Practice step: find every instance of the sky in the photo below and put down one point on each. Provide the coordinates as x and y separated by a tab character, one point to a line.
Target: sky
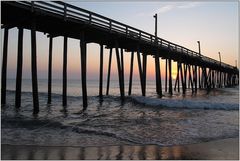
214	24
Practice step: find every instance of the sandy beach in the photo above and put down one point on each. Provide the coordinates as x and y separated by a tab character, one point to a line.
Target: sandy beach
217	150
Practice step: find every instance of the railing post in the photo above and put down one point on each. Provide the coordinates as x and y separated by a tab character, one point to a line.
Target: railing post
32	6
110	26
90	17
65	11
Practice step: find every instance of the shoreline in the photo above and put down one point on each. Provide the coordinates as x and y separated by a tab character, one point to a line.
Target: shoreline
217	150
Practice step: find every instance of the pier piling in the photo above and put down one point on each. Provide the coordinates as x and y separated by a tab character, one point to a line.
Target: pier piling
166	75
4	67
64	92
83	46
193	69
158	75
144	73
109	71
50	71
119	71
140	70
19	69
170	76
131	74
122	70
101	71
182	78
34	69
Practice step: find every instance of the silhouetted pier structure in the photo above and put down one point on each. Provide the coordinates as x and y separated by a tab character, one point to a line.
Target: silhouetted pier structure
62	19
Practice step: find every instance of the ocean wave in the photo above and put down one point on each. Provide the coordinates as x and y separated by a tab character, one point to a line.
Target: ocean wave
188	104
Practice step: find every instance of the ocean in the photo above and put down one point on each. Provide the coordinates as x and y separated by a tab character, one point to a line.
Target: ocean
167	121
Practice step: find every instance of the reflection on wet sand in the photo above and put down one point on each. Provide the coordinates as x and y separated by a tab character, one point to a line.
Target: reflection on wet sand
225	149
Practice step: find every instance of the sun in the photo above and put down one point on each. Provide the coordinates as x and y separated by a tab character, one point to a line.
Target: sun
174	75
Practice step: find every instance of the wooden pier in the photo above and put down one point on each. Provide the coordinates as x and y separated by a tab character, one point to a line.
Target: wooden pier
61	19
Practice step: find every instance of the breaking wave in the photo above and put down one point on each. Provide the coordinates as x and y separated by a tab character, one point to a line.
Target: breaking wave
189	104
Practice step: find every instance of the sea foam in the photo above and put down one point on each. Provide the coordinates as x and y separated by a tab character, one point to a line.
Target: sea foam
189	104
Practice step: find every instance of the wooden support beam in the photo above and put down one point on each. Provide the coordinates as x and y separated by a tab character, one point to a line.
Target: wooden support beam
220	80
205	78
202	77
170	76
64	92
131	73
195	75
166	75
119	71
213	79
4	67
34	69
83	46
50	71
19	69
209	79
158	75
109	71
101	72
182	78
122	71
190	77
140	71
185	75
199	77
177	78
224	79
144	73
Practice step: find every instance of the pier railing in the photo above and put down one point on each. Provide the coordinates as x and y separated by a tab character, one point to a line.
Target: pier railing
68	11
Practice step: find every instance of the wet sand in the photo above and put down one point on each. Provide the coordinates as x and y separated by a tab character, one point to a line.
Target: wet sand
217	150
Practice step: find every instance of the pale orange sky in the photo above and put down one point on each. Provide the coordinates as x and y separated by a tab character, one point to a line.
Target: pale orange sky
184	23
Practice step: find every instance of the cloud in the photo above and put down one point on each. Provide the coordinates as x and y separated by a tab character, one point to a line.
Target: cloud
188	5
168	7
165	8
